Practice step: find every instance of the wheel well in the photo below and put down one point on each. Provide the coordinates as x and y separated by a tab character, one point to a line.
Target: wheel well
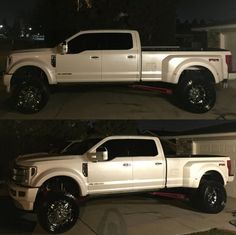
28	72
212	176
55	183
198	72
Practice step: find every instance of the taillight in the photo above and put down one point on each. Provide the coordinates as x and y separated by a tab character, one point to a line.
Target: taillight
228	59
229	165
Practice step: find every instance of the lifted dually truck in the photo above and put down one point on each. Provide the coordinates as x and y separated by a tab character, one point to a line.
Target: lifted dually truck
53	184
115	56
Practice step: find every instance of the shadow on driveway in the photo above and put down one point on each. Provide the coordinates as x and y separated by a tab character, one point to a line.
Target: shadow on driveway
14	221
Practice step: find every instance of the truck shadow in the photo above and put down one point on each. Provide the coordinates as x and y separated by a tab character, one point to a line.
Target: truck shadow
14	221
178	203
137	199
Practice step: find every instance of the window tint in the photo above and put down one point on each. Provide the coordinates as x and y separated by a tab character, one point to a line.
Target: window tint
100	41
116	148
116	41
141	147
84	42
130	148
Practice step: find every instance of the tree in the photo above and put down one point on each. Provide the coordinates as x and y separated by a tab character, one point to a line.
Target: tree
155	20
57	19
15	30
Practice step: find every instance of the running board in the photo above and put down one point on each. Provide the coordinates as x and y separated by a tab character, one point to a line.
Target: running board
162	90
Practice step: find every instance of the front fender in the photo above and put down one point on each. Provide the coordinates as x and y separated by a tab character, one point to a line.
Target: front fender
57	172
46	68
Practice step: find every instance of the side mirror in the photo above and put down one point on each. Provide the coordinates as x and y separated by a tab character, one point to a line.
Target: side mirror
64	48
102	154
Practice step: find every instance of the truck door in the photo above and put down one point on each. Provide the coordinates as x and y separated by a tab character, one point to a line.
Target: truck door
113	175
83	61
119	58
148	165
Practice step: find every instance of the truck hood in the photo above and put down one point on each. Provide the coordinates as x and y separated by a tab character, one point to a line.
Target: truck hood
35	51
30	159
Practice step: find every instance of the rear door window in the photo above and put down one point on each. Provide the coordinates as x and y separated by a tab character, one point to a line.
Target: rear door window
116	41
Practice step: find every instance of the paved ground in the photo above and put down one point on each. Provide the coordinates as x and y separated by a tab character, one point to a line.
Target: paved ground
124	215
111	102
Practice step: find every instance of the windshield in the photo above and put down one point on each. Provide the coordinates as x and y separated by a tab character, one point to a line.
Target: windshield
79	147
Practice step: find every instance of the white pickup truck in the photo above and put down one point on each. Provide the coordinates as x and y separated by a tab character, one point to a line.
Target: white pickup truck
115	56
53	183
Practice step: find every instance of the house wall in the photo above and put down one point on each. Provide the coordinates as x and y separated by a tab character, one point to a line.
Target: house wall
222	146
225	40
229	39
213	39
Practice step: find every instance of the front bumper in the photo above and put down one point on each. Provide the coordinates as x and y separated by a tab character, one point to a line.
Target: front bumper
7	81
23	197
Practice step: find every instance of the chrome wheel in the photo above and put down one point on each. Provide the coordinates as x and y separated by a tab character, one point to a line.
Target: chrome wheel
211	196
196	95
60	213
29	98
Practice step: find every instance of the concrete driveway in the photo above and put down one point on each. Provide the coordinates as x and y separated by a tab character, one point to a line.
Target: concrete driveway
125	215
115	102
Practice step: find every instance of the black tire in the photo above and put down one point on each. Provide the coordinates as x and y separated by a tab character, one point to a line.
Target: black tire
196	94
30	96
211	197
57	212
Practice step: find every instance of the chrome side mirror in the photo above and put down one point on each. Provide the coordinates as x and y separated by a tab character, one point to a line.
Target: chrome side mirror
64	48
102	154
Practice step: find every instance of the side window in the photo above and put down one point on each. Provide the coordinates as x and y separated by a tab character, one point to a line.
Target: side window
116	41
130	148
143	147
84	42
116	148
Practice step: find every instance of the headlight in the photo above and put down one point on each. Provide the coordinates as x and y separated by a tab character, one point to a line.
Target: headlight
22	175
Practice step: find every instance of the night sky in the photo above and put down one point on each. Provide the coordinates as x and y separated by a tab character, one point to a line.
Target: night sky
187	9
11	8
210	10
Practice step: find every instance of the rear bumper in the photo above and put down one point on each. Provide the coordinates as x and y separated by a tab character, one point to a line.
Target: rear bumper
23	197
232	76
231	178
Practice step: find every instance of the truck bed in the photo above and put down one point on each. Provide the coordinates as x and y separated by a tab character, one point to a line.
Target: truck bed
193	156
177	48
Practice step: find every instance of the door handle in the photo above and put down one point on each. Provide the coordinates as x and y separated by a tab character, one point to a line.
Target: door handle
94	57
158	163
131	56
126	164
